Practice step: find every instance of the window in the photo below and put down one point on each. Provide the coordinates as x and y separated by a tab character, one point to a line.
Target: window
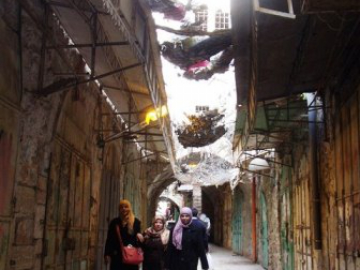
201	109
222	20
202	16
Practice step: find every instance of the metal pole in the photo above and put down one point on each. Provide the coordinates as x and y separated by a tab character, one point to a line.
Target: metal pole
125	90
253	220
50	89
316	213
85	45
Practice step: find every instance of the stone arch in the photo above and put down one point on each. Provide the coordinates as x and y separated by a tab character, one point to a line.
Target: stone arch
161	181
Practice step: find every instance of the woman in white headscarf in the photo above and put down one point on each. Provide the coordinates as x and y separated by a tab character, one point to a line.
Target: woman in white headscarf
185	245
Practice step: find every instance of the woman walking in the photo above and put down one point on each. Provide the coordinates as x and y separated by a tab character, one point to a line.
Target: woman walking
128	226
186	245
155	241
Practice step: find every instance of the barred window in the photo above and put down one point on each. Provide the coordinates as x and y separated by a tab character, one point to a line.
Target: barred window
201	108
202	16
222	20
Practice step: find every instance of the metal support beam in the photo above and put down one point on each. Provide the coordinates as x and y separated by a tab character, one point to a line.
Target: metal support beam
43	49
120	113
51	89
296	108
267	159
126	90
88	45
137	159
64	5
42	27
147	133
93	30
294	121
80	12
142	141
70	74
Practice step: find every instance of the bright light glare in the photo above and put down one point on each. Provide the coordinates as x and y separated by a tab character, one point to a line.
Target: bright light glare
154	115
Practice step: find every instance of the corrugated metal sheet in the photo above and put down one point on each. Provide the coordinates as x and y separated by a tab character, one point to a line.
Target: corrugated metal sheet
109	198
302	219
347	171
8	151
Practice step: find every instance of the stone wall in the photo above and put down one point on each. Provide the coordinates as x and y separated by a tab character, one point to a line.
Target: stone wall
52	148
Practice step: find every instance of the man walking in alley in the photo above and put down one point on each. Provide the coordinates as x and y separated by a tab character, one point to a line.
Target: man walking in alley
201	227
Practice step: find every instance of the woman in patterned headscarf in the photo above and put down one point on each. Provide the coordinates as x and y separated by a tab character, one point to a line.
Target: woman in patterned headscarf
186	245
129	227
156	238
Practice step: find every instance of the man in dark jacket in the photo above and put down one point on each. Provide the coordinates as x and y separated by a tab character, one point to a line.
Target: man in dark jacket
201	226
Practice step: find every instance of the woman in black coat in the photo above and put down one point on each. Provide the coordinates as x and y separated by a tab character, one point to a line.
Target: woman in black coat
130	233
186	245
154	245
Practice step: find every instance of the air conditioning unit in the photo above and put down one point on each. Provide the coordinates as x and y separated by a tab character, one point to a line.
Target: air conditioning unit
315	6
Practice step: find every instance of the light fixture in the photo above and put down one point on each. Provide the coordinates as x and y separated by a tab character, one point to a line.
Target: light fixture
258	164
153	115
192	165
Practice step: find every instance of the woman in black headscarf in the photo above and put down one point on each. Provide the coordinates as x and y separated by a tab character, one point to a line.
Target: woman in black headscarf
155	241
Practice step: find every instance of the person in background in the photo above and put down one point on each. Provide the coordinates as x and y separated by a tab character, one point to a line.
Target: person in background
186	245
154	244
206	220
129	227
202	228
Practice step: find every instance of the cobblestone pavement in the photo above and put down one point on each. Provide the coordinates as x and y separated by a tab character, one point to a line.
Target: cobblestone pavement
224	259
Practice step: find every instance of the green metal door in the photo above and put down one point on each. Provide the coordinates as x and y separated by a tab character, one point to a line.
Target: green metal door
287	243
237	223
264	232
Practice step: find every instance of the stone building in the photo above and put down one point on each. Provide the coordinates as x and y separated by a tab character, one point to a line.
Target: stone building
77	79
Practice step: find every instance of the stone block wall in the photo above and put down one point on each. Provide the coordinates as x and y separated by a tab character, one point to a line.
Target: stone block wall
44	133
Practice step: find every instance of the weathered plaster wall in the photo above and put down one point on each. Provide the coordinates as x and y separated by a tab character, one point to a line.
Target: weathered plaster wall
269	186
51	189
246	219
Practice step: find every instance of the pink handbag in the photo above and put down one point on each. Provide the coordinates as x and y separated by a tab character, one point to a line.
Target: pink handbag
130	255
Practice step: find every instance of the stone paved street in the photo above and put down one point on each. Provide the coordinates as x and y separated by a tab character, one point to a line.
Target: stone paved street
224	259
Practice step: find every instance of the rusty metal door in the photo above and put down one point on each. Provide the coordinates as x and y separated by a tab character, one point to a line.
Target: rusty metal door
67	211
302	218
110	197
8	151
347	174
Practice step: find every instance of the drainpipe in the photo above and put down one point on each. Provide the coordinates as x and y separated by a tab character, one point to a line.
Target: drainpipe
253	215
314	163
44	251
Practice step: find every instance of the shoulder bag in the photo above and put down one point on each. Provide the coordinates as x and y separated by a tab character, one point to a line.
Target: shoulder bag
130	255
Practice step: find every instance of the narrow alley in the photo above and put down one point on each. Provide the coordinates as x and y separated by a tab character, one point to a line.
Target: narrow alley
119	118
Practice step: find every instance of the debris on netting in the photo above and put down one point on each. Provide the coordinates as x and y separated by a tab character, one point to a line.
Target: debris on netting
184	57
203	129
172	10
201	92
205	169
